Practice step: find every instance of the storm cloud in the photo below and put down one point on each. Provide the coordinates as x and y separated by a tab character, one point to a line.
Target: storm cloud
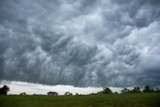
81	43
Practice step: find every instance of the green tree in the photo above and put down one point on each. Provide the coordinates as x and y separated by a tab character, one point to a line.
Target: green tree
68	93
125	90
4	90
52	93
157	90
107	91
147	89
136	90
23	93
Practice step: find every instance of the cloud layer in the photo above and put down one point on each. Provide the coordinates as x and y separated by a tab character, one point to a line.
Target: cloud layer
81	43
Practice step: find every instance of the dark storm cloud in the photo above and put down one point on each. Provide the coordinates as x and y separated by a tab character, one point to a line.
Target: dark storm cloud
81	43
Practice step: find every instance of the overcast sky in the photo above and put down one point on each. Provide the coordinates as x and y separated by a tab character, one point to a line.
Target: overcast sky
98	43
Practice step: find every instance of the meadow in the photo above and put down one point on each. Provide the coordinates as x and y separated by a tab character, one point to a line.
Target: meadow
113	100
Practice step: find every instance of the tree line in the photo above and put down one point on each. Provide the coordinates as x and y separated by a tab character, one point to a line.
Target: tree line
147	89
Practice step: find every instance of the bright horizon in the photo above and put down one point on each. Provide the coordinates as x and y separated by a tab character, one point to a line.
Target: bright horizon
17	87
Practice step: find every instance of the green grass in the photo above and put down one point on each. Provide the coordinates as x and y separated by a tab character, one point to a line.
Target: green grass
123	100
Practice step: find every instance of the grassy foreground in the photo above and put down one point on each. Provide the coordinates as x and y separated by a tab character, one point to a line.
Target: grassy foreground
123	100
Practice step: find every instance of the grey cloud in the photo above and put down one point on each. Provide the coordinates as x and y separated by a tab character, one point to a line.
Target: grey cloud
80	43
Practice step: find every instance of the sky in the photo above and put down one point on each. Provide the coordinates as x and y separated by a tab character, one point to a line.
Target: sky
82	43
17	87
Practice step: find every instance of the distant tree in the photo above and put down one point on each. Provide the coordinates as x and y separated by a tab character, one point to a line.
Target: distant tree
104	91
68	93
23	93
115	92
100	92
52	93
4	90
107	91
93	93
125	90
147	89
135	90
77	94
157	90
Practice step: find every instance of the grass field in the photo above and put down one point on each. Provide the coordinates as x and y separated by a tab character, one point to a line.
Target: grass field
123	100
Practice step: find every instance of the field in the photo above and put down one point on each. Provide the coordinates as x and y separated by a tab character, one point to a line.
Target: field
122	100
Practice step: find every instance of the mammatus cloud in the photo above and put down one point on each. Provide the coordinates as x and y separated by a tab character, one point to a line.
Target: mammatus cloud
81	43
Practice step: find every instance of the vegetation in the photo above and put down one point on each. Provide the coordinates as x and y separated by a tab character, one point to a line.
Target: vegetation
134	90
4	90
106	91
147	89
103	100
52	93
68	93
23	93
135	97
